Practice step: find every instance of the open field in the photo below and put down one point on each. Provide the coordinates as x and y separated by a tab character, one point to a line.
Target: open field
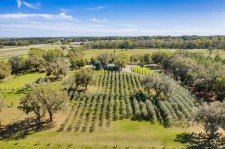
123	133
20	51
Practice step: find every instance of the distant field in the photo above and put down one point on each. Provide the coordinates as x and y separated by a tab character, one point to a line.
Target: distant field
19	51
95	52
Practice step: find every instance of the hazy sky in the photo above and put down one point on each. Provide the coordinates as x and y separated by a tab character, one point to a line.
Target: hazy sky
26	18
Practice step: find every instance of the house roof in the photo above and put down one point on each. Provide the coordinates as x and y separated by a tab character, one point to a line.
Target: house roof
111	65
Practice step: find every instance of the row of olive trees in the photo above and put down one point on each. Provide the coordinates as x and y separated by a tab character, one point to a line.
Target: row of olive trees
201	77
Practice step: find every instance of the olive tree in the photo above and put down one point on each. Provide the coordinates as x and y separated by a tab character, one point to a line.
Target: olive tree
157	85
43	99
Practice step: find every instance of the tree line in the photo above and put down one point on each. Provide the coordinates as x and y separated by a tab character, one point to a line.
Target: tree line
126	42
215	42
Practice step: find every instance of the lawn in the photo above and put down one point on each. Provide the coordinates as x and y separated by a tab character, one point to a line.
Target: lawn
123	133
16	82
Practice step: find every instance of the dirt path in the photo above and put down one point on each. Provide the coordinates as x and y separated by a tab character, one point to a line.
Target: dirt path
128	68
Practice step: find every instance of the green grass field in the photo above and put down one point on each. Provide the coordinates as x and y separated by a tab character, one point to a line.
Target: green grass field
20	51
123	133
16	82
8	52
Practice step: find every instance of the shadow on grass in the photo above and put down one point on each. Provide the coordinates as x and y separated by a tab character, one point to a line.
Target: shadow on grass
20	129
191	141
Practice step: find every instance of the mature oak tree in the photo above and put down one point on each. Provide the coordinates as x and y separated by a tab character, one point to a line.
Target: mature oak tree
84	77
43	99
212	118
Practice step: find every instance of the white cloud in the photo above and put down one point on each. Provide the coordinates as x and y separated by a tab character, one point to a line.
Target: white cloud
19	3
97	8
223	13
30	5
98	21
48	17
63	24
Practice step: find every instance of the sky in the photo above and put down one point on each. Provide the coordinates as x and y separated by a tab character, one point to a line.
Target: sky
59	18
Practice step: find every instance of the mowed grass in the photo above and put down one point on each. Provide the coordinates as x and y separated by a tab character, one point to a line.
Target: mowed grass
123	133
16	82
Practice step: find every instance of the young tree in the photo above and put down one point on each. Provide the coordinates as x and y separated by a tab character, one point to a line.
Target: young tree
84	77
212	118
5	70
211	49
121	60
43	99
